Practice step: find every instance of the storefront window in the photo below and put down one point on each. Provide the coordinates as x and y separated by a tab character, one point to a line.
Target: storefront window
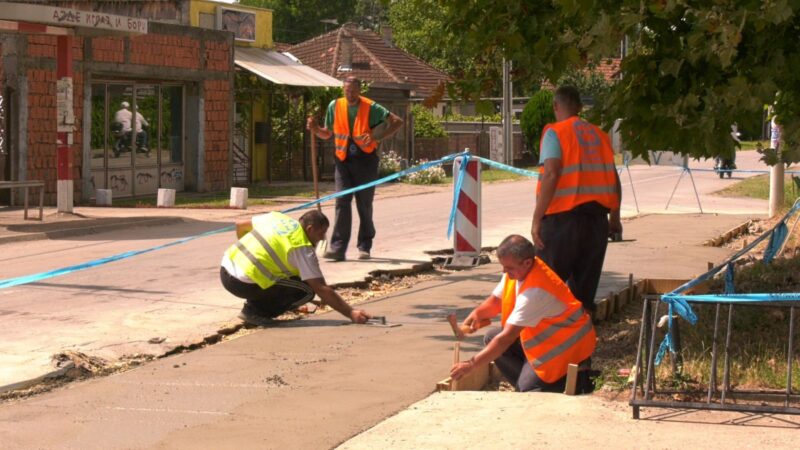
137	137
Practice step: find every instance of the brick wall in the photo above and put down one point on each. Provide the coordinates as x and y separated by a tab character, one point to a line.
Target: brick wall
165	50
218	56
217	112
108	49
41	126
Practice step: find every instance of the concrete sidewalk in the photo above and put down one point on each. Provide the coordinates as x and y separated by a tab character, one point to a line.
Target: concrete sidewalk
315	383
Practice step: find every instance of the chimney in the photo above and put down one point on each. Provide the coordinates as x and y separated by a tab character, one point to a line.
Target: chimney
346	56
386	32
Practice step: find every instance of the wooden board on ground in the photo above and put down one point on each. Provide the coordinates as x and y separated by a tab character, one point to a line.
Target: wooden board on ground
474	381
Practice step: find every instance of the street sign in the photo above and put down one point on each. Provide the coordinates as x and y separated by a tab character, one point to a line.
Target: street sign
496	144
66	17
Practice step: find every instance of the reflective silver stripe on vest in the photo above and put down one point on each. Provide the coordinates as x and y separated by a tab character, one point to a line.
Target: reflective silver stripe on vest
594	167
578	190
256	262
561	348
341	136
272	253
554	328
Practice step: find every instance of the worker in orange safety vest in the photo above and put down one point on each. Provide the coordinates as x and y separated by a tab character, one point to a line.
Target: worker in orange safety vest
578	189
351	120
544	328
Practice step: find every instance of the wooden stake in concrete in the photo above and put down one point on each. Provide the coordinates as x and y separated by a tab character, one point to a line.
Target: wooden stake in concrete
456	360
572	379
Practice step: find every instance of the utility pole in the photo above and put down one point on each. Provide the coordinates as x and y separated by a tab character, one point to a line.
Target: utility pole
508	115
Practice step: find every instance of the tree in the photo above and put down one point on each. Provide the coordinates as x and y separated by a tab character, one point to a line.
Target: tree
295	21
693	68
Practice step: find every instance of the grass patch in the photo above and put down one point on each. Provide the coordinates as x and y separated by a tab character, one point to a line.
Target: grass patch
758	187
257	195
495	175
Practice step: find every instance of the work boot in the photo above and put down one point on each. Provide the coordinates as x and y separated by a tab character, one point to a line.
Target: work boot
363	254
251	317
334	256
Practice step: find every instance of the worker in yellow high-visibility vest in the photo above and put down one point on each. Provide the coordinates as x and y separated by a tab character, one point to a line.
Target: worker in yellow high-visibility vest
274	268
351	121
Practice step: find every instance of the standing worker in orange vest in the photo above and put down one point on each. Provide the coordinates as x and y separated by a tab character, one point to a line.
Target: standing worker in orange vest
577	190
350	120
544	328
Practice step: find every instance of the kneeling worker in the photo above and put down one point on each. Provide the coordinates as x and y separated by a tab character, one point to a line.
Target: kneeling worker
544	327
273	266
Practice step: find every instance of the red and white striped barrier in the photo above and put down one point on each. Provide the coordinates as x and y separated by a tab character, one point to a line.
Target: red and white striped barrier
467	236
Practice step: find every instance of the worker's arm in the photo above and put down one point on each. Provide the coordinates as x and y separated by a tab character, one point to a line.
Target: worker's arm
331	298
496	347
395	123
549	179
486	310
320	132
614	221
243	227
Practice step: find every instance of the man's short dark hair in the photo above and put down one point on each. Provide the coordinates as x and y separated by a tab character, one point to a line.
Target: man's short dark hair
314	218
568	97
517	247
353	80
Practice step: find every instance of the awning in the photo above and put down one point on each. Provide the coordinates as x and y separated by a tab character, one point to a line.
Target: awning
280	68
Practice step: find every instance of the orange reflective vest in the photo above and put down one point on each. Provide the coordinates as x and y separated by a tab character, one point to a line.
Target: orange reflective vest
588	172
555	342
341	127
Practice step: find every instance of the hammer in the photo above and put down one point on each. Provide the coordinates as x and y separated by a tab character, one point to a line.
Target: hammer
461	331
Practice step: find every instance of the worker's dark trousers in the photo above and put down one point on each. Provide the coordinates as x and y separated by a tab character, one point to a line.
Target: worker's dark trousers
575	244
354	171
285	295
518	371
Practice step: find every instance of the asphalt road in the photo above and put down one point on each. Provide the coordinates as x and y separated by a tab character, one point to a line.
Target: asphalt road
173	295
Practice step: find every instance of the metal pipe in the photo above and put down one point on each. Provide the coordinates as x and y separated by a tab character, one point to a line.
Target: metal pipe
712	382
638	366
726	377
790	354
649	384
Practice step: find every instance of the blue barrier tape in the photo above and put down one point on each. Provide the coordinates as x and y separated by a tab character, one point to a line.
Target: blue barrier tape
497	165
98	262
739	298
457	193
730	288
391	177
776	239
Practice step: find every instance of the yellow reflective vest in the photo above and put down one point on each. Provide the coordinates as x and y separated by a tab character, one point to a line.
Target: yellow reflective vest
263	253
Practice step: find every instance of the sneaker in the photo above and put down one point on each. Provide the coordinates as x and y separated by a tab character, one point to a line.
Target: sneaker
333	256
252	318
363	254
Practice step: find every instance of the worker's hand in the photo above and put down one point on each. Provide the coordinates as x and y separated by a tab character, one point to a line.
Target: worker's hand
614	223
359	316
461	368
366	138
536	233
311	124
471	322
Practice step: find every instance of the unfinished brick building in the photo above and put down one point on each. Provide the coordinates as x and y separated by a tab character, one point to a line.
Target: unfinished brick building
175	84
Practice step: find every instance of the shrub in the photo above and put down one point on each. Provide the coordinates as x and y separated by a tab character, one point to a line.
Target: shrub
431	175
425	123
537	113
389	163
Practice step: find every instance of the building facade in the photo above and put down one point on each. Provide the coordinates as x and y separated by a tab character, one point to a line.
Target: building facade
151	110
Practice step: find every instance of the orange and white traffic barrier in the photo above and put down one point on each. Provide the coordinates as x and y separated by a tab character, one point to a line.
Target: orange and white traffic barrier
467	236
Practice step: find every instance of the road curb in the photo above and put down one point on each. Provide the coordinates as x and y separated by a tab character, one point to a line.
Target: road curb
93	229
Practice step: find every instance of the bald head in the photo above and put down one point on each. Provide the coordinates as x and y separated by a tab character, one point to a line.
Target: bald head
516	247
566	102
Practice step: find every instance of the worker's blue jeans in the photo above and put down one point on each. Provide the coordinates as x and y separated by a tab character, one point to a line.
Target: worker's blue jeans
516	369
354	171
